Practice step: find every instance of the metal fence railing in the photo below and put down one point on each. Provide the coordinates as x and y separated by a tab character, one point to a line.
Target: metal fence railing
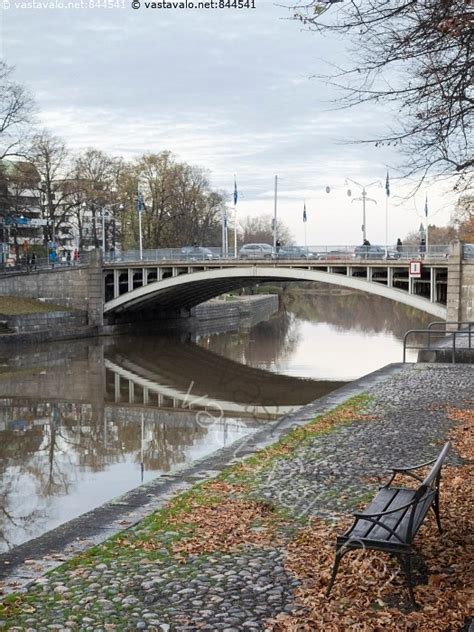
441	338
213	253
25	265
315	252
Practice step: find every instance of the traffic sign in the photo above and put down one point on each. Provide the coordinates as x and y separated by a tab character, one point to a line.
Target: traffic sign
415	269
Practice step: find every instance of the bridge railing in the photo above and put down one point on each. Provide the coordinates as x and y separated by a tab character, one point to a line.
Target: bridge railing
23	265
313	252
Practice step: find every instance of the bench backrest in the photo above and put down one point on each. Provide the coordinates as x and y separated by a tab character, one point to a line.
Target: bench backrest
425	495
432	478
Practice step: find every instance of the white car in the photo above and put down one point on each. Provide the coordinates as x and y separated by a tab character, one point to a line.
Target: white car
257	251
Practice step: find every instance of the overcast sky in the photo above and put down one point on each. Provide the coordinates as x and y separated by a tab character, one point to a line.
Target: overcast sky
228	90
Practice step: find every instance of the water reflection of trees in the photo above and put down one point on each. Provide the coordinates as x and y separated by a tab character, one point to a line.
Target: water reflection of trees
52	443
354	311
265	344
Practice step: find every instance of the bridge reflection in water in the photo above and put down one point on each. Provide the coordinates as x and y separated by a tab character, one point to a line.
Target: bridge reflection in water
82	422
186	376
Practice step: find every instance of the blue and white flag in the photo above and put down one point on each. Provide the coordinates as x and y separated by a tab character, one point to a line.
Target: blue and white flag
140	202
426	206
236	195
305	217
387	185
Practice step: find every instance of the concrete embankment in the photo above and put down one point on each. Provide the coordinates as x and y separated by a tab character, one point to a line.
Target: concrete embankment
213	316
232	313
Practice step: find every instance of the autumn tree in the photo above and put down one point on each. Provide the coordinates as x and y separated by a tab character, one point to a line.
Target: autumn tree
260	230
440	235
180	206
416	57
463	218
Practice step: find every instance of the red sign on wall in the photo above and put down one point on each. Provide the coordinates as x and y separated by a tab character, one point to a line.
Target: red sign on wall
415	269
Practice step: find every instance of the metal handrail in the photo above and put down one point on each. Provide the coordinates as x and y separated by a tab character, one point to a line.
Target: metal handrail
459	323
442	334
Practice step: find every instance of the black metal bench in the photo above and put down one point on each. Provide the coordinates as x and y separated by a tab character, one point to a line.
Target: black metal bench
392	519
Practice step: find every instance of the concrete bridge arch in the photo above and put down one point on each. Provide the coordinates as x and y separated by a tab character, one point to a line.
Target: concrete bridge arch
187	290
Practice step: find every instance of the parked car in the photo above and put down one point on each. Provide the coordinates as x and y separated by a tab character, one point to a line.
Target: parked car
332	255
197	253
375	252
294	252
257	251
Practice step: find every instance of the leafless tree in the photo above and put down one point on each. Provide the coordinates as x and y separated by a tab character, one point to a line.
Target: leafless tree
95	182
415	55
260	230
51	159
16	114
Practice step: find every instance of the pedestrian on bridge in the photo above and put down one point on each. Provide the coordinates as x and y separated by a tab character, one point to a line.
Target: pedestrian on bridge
53	257
422	247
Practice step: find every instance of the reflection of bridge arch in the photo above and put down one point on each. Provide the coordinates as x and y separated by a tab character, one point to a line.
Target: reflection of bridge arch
186	376
187	288
186	399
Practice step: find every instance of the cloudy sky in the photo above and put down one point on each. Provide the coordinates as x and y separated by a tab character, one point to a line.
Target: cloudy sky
228	90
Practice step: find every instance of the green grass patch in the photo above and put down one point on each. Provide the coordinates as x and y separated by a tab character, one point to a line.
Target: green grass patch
347	412
17	306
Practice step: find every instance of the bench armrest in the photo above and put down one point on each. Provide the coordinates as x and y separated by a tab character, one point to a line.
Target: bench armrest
413	467
408	471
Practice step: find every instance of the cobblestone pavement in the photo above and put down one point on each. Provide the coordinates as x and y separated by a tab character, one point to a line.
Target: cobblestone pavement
241	590
336	471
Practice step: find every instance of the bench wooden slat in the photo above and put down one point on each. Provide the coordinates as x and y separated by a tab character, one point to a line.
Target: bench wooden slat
421	510
387	499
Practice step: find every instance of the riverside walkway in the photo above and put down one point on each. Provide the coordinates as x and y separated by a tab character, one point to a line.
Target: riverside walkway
252	547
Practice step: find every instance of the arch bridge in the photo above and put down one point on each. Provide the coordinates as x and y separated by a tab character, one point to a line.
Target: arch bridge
164	287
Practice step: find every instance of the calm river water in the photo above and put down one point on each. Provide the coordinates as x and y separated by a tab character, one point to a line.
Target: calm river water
84	421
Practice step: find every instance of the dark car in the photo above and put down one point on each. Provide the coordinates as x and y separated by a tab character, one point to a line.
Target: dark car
197	253
294	252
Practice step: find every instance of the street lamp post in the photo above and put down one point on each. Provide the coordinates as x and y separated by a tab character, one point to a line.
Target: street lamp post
275	214
103	231
140	209
107	213
364	199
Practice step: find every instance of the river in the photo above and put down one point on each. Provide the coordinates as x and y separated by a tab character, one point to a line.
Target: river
82	422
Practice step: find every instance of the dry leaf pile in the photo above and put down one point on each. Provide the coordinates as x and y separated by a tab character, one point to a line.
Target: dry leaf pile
226	523
369	593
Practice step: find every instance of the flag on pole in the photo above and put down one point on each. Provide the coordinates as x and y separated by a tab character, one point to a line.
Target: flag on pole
305	217
140	202
426	206
387	185
236	195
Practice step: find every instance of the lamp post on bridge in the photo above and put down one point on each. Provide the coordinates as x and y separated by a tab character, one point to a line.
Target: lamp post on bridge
140	208
106	212
364	199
